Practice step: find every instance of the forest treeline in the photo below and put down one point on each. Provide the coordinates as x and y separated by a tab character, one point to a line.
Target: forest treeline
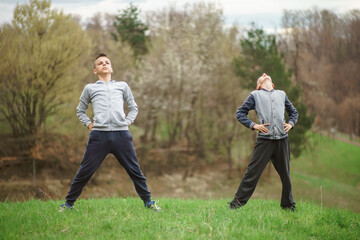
322	49
188	72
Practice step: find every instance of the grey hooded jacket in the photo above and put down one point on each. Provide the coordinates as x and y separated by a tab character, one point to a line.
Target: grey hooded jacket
107	100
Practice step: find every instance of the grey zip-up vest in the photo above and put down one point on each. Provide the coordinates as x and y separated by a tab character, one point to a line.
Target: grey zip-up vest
270	108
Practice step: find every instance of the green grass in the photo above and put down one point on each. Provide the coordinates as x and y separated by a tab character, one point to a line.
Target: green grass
337	160
117	218
328	173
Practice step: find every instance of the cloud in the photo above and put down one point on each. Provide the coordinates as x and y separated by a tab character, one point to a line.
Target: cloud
7	12
264	12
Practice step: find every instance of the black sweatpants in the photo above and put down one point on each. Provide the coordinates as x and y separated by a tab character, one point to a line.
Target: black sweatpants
100	144
279	153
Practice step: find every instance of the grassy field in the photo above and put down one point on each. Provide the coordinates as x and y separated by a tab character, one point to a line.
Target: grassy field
328	173
117	218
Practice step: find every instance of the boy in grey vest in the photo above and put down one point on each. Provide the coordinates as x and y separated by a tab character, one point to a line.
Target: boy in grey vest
272	142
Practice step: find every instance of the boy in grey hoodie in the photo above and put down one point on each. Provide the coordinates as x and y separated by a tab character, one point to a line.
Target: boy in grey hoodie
272	142
109	132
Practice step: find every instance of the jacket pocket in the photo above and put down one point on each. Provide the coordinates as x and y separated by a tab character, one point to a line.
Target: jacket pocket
99	120
119	118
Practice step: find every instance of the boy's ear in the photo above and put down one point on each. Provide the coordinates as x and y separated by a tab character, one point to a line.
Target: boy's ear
95	72
258	87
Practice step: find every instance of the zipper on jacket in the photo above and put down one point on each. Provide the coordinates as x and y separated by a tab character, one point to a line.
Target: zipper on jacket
108	96
271	115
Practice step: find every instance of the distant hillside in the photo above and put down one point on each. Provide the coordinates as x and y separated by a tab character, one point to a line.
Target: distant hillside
329	173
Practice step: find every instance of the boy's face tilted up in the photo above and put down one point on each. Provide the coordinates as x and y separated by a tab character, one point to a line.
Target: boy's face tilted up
264	77
102	66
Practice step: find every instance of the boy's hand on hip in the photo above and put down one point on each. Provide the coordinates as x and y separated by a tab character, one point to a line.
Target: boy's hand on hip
261	127
91	125
287	127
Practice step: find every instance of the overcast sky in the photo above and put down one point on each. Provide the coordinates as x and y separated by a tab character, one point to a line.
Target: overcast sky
264	13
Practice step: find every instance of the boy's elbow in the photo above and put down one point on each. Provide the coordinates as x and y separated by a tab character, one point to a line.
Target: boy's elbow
134	109
238	115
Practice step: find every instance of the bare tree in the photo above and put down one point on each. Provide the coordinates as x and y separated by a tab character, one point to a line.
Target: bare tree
321	47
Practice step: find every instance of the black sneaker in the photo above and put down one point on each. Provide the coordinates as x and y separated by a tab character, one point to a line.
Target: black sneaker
291	208
234	204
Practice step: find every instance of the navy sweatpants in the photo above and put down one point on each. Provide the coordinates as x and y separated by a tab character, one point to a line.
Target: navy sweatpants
278	151
100	144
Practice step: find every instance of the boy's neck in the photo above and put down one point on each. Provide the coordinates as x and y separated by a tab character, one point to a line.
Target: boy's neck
104	77
267	85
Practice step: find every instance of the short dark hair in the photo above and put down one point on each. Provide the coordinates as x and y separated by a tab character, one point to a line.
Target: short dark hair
101	55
